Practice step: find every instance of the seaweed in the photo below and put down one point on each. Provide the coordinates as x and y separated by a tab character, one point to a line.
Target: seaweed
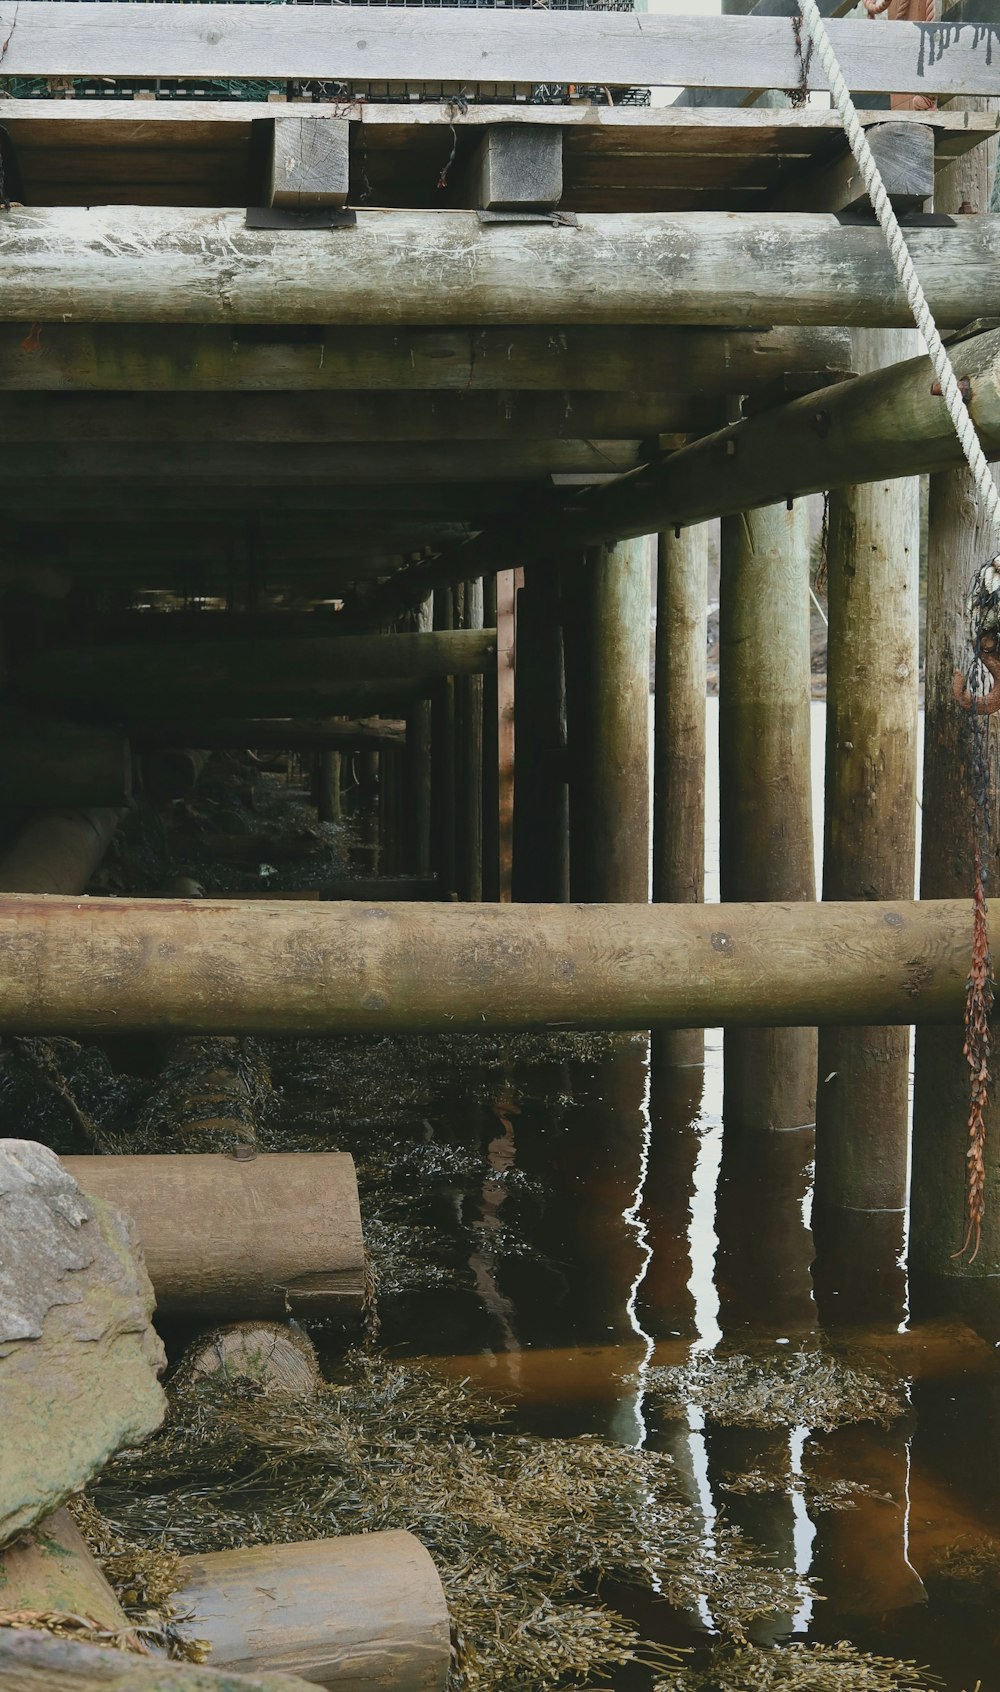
811	1388
798	1668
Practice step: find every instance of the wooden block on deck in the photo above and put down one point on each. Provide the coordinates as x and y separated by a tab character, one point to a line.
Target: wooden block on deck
518	167
904	153
309	163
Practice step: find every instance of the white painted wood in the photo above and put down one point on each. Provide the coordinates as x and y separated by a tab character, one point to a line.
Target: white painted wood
178	265
56	38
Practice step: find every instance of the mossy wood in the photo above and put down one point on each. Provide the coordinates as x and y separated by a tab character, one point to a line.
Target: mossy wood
227	1236
76	966
32	1661
51	1571
157	264
360	1613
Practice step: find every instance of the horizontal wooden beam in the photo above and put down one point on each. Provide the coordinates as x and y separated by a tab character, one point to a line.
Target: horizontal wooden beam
210	677
81	966
904	154
271	734
195	358
355	418
53	38
134	264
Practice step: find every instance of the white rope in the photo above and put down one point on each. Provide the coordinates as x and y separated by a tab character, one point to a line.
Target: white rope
923	317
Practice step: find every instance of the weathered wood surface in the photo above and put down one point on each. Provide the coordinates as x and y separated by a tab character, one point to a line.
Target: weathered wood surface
228	1236
679	743
46	762
57	851
205	966
276	734
274	1356
51	1570
78	1358
862	1107
904	153
361	1612
126	357
174	265
309	163
540	869
518	168
765	787
345	418
624	48
31	1661
173	772
170	678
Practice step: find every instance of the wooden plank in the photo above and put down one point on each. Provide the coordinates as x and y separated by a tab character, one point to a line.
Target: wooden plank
193	358
309	163
143	264
904	154
56	38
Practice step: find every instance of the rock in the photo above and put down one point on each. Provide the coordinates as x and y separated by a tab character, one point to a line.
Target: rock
31	1661
78	1357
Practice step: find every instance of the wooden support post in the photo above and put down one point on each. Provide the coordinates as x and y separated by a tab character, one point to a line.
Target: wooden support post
328	786
518	167
491	752
508	582
417	768
291	1239
443	807
904	153
57	851
361	1611
309	163
609	836
541	793
766	852
679	744
74	965
959	540
862	1111
469	766
765	788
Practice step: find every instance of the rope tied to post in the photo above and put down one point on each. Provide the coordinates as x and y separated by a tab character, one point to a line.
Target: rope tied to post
983	609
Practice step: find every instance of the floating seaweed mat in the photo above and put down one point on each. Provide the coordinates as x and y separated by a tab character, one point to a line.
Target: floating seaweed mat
523	1530
795	1389
798	1668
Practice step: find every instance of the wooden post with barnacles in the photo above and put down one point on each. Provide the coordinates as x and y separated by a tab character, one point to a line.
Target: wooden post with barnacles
870	845
679	744
958	542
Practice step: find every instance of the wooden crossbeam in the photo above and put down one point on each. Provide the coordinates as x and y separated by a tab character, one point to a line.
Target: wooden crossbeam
55	38
147	264
195	358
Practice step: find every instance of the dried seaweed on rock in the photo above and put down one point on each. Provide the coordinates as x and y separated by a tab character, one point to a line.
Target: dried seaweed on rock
812	1389
798	1668
523	1529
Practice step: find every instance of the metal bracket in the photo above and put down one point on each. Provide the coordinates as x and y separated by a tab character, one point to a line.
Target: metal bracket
558	219
322	217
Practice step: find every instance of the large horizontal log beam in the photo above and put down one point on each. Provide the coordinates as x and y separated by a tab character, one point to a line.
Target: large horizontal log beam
276	734
268	418
115	264
211	676
52	38
878	426
80	966
196	358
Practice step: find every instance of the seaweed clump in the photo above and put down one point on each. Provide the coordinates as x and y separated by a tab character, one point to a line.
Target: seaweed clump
523	1530
796	1389
798	1668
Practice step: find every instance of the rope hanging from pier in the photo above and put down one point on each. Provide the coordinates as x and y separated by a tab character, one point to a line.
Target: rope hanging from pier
984	620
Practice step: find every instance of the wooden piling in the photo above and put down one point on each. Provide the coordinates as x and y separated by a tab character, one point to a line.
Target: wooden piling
541	794
765	803
469	767
959	540
869	853
328	786
444	861
679	744
417	768
609	724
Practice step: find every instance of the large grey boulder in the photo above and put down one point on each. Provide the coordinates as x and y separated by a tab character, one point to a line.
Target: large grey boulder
79	1359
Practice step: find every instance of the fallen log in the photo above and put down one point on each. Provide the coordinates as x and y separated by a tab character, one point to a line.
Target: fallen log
31	1661
227	1236
171	264
131	965
45	762
278	1358
285	675
173	772
57	851
51	1572
361	1612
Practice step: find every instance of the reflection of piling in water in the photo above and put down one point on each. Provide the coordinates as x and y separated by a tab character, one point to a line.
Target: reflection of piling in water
860	1555
766	1515
765	1247
666	1302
